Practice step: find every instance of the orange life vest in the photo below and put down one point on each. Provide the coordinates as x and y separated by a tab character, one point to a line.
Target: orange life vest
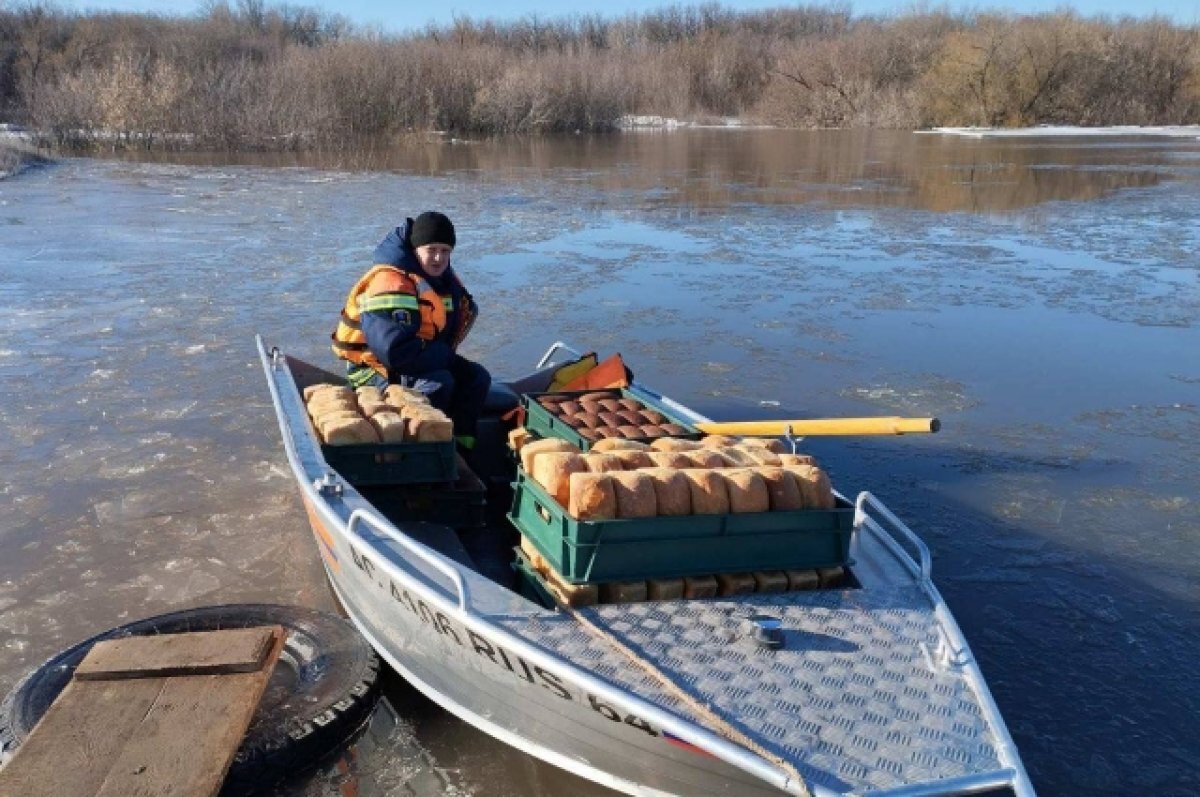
386	288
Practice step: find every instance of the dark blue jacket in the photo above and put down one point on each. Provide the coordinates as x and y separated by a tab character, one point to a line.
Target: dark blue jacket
392	336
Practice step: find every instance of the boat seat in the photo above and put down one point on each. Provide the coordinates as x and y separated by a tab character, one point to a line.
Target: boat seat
500	399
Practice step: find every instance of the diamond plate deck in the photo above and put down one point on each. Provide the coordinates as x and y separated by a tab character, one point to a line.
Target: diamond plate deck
854	699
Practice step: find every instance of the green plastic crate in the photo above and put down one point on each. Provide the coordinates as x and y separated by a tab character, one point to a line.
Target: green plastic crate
544	423
666	547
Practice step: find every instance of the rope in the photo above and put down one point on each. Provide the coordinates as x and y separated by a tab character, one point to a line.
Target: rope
715	722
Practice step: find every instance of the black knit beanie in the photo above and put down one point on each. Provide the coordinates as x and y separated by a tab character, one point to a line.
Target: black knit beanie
431	227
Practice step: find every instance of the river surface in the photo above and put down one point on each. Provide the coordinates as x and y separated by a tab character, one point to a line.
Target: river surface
1040	296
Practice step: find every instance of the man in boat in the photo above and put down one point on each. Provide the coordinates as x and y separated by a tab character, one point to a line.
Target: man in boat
404	319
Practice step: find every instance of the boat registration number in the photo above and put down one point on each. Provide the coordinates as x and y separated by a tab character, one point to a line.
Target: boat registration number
470	640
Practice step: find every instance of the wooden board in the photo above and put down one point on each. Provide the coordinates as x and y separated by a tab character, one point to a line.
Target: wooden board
196	653
172	736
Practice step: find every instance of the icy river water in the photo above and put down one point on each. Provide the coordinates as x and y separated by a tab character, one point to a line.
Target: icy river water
1040	296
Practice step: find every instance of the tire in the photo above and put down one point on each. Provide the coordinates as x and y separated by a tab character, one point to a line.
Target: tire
320	696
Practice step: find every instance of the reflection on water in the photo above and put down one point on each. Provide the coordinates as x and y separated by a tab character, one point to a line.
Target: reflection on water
749	273
717	168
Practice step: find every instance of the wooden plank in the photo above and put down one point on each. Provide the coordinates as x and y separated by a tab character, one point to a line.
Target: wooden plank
141	737
72	747
235	650
185	744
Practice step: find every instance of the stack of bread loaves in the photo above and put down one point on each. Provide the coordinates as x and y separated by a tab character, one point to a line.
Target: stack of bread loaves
603	414
670	476
369	415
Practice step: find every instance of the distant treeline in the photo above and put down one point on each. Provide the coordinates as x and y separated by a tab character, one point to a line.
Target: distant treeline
254	75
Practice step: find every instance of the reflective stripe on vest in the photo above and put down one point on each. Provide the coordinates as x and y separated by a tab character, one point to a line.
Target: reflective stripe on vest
386	302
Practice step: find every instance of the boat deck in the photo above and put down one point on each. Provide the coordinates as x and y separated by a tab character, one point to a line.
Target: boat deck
857	696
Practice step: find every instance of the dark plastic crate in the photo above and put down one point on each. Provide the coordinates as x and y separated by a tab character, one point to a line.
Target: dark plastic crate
544	423
459	505
666	547
393	463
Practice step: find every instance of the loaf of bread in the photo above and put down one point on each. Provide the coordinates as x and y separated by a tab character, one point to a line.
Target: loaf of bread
598	395
737	456
350	431
718	441
603	461
633	458
674	444
709	494
814	486
334	417
629	431
672	494
323	388
747	491
653	416
609	418
553	469
370	408
389	425
320	409
535	447
588	420
783	489
398	395
796	459
332	396
761	455
650	430
592	497
413	410
611	404
568	408
635	494
312	390
430	428
617	444
669	459
369	393
707	458
772	444
673	428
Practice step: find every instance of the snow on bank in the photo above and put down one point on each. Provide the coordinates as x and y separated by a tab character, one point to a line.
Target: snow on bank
1174	131
666	123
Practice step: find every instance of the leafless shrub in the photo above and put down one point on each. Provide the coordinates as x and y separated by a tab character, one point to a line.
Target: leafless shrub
251	74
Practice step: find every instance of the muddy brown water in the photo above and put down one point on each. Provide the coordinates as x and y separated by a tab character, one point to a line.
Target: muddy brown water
1040	296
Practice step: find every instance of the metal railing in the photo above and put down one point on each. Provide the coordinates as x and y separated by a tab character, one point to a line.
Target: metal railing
415	548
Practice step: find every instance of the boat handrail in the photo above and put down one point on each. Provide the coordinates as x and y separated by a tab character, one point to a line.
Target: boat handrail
924	569
364	515
558	344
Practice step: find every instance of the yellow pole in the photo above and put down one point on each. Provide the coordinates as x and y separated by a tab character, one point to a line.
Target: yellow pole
815	427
